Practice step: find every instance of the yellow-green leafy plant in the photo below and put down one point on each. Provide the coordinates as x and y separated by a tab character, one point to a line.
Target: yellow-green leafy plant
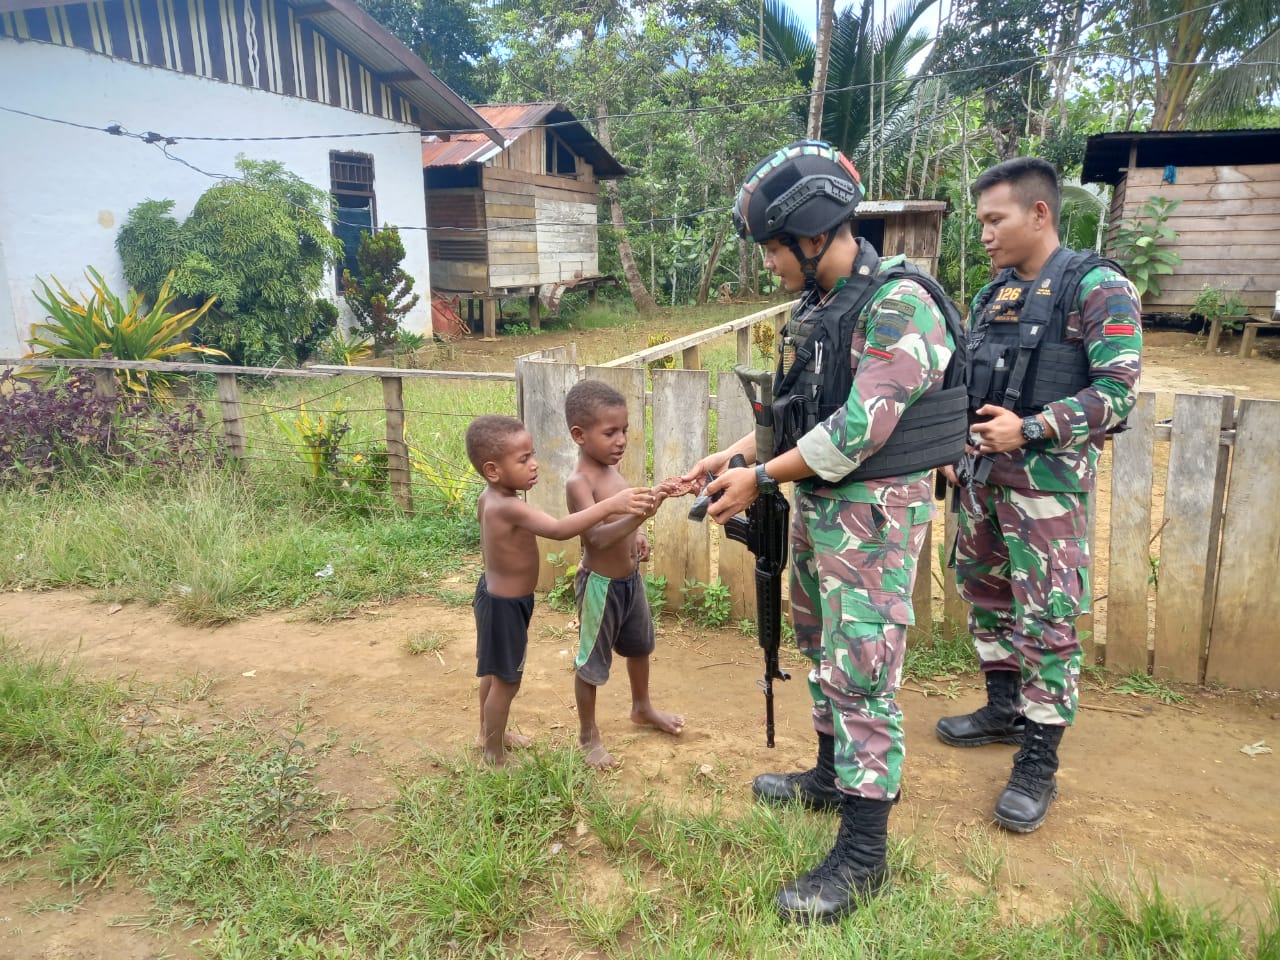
762	339
346	347
318	440
89	327
663	363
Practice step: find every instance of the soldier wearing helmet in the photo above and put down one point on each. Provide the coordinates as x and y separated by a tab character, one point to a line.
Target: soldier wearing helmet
866	346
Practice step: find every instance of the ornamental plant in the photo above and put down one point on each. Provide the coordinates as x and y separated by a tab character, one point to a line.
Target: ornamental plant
1137	245
383	293
102	325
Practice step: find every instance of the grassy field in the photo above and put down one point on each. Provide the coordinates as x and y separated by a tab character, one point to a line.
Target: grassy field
221	822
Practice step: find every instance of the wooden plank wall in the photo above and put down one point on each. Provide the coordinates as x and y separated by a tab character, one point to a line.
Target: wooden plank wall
542	227
1228	226
681	403
917	234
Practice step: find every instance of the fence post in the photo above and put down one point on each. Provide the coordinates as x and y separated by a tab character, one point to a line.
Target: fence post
1129	540
691	358
397	450
232	424
744	346
104	383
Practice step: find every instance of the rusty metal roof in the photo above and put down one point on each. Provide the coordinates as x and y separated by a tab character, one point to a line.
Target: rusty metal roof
514	120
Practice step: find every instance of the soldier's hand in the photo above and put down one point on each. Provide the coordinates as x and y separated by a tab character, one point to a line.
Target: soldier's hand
1000	433
737	488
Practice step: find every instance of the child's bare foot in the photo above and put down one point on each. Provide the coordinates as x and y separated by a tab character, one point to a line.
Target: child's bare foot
647	716
597	757
495	759
518	740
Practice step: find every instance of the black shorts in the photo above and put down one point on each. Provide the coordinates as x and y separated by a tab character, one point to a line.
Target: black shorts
613	615
502	634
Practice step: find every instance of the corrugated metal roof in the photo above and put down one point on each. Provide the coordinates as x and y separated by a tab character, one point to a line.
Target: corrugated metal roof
1106	155
394	63
514	120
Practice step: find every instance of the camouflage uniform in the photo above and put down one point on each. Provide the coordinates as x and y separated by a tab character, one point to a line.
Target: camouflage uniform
855	544
1022	548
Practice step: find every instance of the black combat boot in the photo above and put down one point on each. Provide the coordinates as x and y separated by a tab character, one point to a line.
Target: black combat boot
815	788
857	867
998	722
1031	788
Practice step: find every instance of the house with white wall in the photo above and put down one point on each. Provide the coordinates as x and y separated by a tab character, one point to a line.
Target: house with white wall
317	85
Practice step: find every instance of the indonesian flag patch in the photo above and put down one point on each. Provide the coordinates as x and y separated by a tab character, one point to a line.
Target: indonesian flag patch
1118	330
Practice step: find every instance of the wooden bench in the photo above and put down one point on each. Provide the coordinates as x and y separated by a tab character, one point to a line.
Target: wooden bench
1251	334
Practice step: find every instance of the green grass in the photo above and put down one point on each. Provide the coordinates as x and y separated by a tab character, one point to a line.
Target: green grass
215	548
221	823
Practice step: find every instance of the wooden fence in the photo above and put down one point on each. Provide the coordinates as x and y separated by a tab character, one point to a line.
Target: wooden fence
1191	542
1189	550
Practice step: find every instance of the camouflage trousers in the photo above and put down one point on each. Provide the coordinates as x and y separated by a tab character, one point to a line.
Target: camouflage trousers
1022	561
853	570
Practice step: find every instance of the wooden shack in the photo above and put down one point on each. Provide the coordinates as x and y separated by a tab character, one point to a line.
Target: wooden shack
1228	222
517	219
913	227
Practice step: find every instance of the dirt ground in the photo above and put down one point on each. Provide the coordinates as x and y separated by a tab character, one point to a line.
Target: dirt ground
1146	787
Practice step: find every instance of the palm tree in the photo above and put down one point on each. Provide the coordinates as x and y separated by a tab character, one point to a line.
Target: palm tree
867	87
1186	38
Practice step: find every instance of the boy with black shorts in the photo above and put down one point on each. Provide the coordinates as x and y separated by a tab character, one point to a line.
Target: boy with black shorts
613	611
501	450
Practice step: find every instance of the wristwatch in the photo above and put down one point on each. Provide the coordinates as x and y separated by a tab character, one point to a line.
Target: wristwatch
764	482
1033	429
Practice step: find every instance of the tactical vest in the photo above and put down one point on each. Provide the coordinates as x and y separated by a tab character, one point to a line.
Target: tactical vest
932	430
1017	355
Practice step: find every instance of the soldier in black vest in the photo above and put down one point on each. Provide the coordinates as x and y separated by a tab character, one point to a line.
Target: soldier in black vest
865	354
1054	351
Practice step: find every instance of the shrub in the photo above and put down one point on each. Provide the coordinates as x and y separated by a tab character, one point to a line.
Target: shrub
383	293
65	427
260	245
1137	245
100	325
1213	302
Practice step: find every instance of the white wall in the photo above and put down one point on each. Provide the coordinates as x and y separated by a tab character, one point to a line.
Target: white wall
65	192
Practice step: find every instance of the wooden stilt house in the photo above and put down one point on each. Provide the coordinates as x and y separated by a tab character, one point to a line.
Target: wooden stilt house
517	219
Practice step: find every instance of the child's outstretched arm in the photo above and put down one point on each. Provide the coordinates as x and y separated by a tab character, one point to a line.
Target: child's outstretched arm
634	501
606	533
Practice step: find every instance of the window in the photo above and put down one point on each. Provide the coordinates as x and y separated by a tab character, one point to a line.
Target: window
560	159
355	212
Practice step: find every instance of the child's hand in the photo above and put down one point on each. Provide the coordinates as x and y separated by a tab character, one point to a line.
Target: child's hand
643	549
675	487
634	500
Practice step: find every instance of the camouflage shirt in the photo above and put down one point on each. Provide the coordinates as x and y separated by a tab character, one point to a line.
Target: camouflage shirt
1106	323
899	351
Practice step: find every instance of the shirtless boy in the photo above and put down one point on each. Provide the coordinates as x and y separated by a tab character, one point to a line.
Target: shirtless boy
501	450
613	611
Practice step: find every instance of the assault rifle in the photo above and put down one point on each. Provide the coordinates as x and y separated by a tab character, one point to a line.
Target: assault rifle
764	532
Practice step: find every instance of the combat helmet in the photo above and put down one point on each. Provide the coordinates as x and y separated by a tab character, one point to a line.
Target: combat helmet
802	190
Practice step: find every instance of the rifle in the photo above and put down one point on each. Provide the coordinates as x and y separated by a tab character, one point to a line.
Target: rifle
764	532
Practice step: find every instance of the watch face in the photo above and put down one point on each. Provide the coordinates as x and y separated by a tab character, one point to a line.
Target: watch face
1032	428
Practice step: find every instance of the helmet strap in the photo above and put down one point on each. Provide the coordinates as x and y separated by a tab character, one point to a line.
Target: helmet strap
809	265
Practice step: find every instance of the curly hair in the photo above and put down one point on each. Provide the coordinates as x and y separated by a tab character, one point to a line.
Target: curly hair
584	400
488	438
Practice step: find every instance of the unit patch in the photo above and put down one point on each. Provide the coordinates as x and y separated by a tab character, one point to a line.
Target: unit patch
1118	330
890	323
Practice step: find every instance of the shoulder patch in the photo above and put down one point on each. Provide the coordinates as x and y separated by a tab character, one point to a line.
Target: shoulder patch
1118	330
888	324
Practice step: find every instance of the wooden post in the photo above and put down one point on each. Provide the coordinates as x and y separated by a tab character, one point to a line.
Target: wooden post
1215	334
691	358
744	346
535	311
489	310
397	451
104	383
1129	565
737	565
1189	544
1242	643
682	549
232	424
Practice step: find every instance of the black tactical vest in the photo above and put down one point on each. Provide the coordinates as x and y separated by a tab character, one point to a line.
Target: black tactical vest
1017	355
932	430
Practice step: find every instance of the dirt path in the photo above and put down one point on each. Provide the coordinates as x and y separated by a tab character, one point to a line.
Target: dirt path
1156	788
